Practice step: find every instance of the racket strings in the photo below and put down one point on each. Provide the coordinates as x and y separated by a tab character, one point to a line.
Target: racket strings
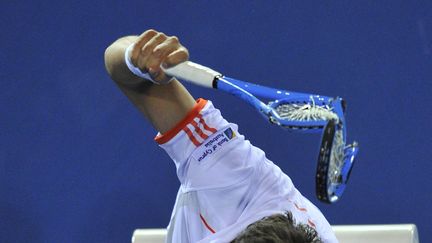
305	112
336	158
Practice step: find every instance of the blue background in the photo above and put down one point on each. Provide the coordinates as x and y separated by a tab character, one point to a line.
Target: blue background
78	162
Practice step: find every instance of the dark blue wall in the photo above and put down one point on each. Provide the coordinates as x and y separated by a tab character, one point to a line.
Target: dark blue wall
77	161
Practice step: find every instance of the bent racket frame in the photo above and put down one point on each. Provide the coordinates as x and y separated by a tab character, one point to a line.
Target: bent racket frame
297	112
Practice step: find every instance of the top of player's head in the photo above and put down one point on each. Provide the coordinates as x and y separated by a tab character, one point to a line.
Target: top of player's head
277	229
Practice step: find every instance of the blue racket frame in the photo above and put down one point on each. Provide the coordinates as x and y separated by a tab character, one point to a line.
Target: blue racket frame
326	190
248	91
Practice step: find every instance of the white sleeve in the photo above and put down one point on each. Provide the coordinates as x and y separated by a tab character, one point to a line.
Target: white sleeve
208	151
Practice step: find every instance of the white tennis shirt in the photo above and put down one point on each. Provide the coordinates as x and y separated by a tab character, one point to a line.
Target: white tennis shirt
226	182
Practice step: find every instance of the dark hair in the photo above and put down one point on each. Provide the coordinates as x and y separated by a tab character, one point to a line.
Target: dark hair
278	228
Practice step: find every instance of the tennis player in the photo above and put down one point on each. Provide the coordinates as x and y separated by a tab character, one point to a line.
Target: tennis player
229	192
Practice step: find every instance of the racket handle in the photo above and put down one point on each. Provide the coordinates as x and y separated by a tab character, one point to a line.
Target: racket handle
193	73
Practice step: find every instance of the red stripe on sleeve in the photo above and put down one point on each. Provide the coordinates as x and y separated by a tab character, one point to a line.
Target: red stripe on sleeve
206	127
163	138
191	136
198	130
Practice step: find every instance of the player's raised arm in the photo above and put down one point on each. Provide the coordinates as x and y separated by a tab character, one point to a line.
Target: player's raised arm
164	104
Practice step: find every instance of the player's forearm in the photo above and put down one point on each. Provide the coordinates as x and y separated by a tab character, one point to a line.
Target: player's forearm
115	64
163	105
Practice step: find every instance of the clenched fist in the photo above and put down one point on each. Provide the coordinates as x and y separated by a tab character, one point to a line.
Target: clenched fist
154	49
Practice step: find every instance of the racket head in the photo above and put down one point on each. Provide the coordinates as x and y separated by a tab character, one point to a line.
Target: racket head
335	163
306	113
297	112
302	113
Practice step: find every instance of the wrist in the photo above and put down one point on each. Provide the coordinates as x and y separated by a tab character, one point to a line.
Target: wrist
135	70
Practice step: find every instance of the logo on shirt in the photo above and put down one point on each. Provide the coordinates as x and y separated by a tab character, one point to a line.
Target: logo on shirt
214	143
230	133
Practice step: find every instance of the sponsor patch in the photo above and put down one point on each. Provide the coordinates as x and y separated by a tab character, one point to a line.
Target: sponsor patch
214	143
229	133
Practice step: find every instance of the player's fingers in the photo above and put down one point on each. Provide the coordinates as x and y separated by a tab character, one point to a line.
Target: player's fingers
139	43
170	43
161	51
147	50
176	57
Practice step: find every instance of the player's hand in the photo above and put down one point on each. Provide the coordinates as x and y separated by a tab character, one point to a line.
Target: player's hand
154	49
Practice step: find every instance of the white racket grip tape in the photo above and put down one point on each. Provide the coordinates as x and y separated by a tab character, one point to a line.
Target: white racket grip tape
193	73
